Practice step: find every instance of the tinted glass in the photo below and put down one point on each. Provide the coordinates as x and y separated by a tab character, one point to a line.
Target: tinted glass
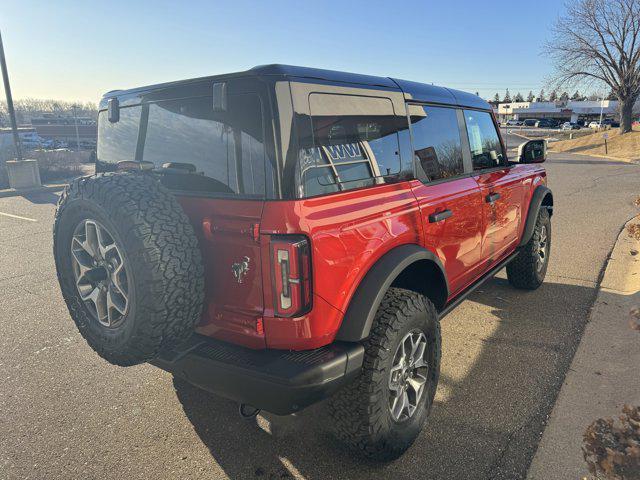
486	150
436	141
226	148
117	141
354	144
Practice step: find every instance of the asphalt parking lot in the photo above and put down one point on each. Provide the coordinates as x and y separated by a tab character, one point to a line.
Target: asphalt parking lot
68	414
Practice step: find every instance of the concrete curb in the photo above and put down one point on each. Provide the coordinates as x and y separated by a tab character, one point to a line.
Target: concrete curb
608	157
11	192
604	371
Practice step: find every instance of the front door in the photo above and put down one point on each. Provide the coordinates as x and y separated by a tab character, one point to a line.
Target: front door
450	200
500	186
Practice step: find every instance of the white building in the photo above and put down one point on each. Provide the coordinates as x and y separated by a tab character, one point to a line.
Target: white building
572	110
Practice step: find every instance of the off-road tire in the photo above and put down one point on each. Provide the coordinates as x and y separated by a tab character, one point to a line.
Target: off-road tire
360	415
166	275
522	271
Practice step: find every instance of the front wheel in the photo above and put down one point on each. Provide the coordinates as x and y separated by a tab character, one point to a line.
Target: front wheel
382	412
528	269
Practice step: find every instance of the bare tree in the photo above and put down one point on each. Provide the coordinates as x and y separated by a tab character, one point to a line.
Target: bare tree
598	41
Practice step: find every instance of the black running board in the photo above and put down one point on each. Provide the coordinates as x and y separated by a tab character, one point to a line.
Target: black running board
466	292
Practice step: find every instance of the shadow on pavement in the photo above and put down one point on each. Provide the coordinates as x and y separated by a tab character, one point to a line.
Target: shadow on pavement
488	415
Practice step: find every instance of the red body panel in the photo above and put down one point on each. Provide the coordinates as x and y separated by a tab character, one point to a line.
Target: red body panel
348	233
456	240
503	216
225	230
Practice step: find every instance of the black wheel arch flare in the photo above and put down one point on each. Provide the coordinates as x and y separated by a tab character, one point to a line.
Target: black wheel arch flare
362	308
541	198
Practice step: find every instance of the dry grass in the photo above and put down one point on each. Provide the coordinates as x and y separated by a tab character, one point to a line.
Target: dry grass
612	451
59	164
619	146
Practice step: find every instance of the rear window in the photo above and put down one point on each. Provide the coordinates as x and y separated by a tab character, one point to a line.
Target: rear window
354	144
225	150
436	140
117	141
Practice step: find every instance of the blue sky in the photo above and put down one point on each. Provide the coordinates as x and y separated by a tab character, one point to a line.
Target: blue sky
73	50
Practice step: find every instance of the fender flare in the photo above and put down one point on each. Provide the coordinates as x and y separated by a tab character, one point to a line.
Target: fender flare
364	304
539	195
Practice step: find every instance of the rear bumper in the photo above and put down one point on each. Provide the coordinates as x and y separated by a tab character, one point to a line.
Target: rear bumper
278	381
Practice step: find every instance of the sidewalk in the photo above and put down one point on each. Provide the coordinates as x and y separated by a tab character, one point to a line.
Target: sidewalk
604	374
49	187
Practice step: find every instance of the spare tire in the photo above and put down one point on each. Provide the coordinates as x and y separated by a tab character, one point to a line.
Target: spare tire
129	265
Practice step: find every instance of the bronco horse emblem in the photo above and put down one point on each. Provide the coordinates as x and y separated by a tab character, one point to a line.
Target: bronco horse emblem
240	269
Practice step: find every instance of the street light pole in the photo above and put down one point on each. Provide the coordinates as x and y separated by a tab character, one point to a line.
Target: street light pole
7	90
75	116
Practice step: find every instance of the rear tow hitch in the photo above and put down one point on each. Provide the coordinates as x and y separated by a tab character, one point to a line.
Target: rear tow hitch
248	411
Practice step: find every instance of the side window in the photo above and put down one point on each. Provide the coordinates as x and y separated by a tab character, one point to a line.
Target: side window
436	141
117	141
225	149
486	150
354	144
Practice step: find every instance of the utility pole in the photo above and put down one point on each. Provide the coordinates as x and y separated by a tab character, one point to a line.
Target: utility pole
12	112
75	116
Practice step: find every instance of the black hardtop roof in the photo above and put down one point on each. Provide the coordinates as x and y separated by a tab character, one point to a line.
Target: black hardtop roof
420	92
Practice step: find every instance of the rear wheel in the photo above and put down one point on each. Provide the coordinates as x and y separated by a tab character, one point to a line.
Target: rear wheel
383	411
528	269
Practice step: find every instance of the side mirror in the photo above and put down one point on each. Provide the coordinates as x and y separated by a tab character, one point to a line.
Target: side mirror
533	151
220	97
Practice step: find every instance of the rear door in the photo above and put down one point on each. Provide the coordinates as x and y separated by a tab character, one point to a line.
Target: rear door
216	162
449	198
500	186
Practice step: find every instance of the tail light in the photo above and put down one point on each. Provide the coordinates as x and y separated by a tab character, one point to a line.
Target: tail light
291	267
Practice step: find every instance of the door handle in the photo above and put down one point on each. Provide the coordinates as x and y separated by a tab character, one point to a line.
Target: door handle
492	197
440	216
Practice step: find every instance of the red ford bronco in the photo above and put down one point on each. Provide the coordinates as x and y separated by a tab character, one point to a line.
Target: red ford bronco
284	235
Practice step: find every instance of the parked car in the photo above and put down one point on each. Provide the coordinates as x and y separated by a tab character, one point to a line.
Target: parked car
611	123
598	125
546	123
514	123
570	126
285	235
529	122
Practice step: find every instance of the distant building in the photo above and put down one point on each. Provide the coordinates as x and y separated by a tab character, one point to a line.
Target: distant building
28	138
570	111
61	129
53	119
58	133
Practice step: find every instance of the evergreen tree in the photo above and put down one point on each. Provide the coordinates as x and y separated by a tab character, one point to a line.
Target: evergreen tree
564	97
519	97
507	97
496	98
530	97
554	96
576	96
541	97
